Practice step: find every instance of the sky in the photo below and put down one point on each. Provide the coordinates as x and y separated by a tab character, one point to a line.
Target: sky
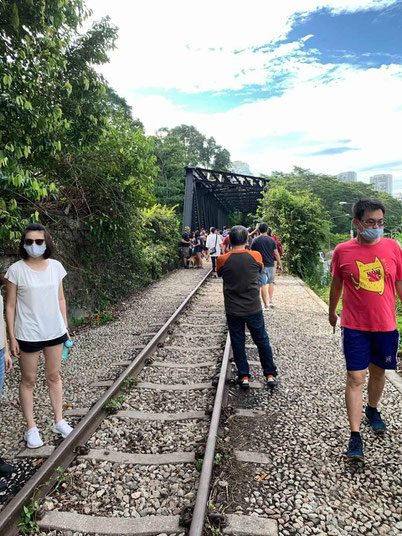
307	83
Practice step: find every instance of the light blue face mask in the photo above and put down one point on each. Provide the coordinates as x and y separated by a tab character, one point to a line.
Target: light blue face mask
35	250
372	234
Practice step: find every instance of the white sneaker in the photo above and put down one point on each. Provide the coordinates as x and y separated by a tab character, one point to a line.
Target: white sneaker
271	304
265	308
62	427
33	438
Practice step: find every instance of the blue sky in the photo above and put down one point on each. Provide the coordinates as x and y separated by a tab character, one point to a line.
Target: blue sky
310	83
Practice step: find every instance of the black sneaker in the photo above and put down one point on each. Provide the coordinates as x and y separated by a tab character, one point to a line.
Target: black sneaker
375	420
243	382
5	468
355	448
271	380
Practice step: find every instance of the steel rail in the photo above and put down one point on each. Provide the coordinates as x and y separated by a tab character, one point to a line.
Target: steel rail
197	523
63	455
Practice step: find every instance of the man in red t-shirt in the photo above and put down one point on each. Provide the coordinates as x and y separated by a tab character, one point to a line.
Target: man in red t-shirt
226	242
368	269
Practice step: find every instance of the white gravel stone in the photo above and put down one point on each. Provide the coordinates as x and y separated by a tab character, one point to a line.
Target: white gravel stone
95	350
309	486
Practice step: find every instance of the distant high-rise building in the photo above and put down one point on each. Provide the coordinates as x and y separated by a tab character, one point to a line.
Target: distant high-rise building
382	183
347	176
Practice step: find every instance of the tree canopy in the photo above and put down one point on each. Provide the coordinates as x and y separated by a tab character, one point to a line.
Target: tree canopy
177	148
301	222
71	155
337	197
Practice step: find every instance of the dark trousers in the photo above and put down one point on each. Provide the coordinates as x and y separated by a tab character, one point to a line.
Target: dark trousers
256	326
213	259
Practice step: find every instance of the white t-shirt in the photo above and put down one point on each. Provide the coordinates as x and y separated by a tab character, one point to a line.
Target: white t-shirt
38	316
211	239
2	341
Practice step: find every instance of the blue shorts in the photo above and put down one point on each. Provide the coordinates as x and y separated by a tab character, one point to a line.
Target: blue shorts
266	276
364	347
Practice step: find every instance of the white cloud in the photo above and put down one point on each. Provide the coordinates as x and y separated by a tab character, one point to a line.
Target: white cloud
167	45
362	106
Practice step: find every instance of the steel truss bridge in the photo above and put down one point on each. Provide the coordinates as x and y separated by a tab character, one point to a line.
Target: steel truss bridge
210	196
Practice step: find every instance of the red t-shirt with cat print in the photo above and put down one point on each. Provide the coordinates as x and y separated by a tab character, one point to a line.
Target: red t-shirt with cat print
369	273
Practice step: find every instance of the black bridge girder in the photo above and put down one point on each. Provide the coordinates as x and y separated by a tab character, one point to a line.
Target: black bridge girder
211	195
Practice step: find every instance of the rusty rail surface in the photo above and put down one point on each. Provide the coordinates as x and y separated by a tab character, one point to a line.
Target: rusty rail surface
197	523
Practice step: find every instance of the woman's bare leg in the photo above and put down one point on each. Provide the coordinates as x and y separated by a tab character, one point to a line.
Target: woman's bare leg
28	366
52	368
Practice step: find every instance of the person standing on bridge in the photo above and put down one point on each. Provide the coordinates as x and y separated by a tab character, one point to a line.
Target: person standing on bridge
214	242
226	243
185	244
269	250
239	270
36	321
368	269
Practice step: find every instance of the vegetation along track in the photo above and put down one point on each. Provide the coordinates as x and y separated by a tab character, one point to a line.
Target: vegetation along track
132	464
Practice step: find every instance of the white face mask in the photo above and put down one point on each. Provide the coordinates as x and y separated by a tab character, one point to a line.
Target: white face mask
35	250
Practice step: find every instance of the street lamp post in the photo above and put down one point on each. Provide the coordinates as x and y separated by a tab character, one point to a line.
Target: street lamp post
351	222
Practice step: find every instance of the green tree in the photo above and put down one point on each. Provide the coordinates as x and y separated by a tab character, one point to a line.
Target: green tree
51	99
180	147
302	224
332	192
171	159
241	167
202	151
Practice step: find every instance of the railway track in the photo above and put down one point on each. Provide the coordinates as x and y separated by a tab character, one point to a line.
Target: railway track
115	432
141	459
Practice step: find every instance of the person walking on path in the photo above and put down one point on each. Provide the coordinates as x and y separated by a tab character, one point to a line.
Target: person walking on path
269	251
37	320
226	243
185	244
5	366
214	242
368	269
279	247
239	270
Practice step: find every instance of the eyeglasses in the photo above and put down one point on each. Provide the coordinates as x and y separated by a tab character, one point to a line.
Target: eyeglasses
372	223
38	241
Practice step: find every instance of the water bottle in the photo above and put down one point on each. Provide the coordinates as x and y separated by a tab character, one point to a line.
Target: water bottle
67	345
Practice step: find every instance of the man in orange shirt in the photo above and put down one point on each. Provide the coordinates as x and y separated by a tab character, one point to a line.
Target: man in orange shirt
240	269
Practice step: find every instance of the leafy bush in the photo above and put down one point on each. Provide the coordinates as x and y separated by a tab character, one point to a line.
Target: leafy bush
161	237
301	223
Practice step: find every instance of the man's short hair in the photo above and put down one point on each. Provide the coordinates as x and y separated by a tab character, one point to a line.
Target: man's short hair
263	228
238	235
187	228
369	204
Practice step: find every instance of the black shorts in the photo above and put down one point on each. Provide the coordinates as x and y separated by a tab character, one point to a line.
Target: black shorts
37	346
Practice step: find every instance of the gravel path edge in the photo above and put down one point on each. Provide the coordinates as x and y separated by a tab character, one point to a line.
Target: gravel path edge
391	375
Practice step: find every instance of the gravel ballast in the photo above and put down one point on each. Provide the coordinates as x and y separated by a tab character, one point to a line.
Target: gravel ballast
95	352
309	487
119	490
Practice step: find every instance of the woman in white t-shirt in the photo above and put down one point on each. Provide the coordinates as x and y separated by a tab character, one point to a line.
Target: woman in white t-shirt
37	320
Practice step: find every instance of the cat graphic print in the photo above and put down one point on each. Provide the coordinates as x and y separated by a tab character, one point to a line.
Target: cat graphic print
371	276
